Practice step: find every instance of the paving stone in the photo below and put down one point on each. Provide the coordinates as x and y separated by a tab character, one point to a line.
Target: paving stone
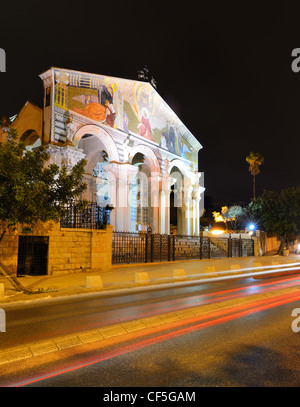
42	348
186	313
152	321
112	330
91	336
131	326
15	354
67	341
172	316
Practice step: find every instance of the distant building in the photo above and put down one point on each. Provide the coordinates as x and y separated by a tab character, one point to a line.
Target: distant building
141	159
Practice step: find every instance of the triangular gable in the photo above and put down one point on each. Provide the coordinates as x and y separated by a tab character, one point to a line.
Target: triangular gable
30	117
128	105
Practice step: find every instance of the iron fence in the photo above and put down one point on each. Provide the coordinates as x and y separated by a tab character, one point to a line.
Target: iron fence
148	247
91	216
129	247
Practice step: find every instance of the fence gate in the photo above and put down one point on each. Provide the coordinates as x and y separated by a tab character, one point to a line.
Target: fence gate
129	247
141	247
33	255
161	248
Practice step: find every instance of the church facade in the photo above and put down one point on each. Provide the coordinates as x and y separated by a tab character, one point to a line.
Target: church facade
141	159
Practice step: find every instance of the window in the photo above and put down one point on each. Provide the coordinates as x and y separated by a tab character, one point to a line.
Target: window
48	97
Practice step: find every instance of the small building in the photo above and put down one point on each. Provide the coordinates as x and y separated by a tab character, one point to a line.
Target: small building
141	159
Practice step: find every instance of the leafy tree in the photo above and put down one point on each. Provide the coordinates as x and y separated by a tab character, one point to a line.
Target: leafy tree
278	214
255	160
30	190
234	215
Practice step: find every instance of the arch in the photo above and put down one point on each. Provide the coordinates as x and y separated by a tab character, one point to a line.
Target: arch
31	139
150	158
93	159
179	164
103	136
29	120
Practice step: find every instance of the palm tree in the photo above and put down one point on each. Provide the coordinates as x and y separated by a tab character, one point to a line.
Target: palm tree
255	160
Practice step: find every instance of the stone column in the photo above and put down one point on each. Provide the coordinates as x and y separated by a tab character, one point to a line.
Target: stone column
120	180
164	210
187	211
196	196
155	202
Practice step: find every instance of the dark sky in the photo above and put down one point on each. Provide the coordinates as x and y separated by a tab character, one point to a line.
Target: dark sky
224	70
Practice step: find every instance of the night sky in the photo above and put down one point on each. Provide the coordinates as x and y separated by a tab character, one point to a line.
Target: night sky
225	71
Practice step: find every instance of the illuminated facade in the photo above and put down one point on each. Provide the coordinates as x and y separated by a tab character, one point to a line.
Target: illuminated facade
141	159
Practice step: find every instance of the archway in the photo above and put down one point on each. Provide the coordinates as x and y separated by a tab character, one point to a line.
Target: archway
140	214
99	149
150	159
95	176
149	168
31	139
177	201
99	133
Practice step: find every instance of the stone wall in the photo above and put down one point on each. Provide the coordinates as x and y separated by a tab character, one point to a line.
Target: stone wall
69	250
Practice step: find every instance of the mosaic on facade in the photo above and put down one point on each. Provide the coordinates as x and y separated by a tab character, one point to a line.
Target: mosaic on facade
127	105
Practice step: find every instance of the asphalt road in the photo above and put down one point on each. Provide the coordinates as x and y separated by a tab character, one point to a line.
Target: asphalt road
258	349
34	322
253	348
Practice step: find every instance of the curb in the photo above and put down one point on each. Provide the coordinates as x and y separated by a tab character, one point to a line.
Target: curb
159	284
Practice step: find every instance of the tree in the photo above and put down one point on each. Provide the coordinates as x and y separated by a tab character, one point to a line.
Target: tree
255	160
232	215
278	214
30	190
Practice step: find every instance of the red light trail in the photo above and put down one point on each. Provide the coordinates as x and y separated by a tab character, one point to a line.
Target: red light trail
208	320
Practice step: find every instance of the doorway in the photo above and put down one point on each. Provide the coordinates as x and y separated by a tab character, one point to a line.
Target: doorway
33	255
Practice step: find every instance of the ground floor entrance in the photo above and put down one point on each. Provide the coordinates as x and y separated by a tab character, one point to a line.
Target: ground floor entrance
33	255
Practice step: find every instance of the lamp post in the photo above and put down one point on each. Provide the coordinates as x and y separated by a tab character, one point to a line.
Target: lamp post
108	209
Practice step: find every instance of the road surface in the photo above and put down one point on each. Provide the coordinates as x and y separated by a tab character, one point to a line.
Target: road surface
249	345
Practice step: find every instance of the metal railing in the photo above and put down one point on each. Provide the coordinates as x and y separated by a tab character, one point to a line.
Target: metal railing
129	247
147	247
91	216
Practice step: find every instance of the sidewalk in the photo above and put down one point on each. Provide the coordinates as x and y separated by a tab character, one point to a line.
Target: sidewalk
124	278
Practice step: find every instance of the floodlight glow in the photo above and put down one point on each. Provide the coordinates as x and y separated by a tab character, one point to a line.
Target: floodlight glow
251	227
217	232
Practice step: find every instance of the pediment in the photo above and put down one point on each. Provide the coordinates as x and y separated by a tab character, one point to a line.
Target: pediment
131	106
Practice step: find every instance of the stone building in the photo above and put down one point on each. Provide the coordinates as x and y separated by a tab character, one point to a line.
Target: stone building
141	158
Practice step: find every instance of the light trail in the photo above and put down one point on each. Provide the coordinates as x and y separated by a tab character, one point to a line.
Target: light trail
277	268
196	300
237	312
233	274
